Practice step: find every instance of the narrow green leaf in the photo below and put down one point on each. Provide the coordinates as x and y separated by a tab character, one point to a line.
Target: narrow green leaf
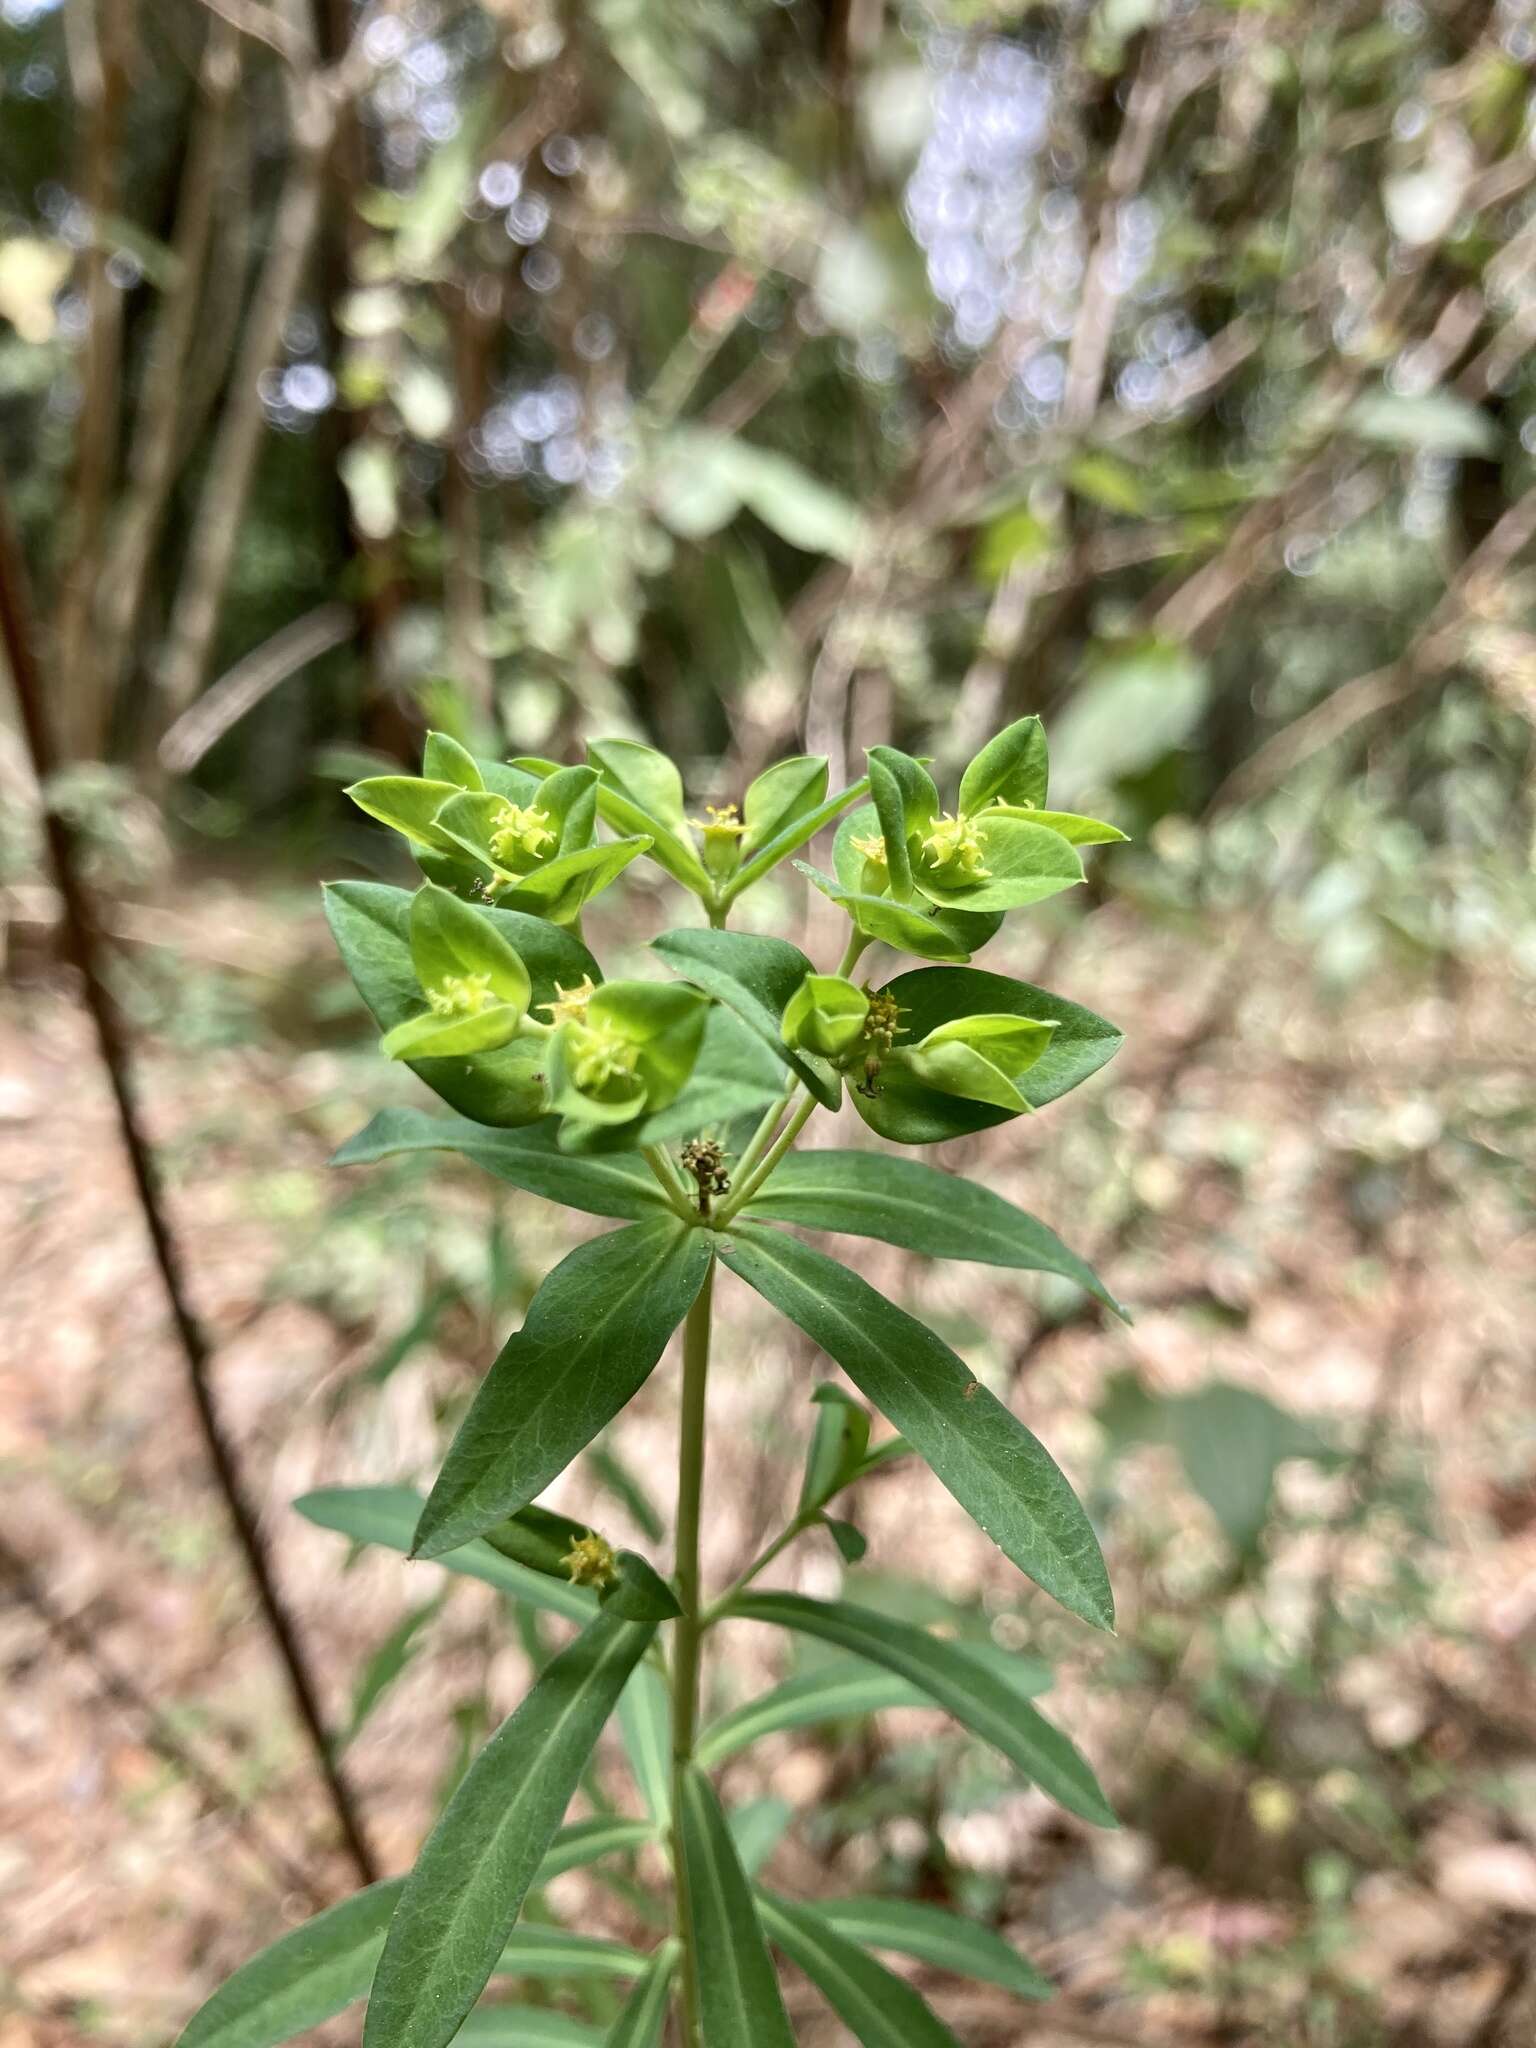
639	2025
524	2026
964	1686
467	1889
839	1441
557	1952
755	977
382	1669
645	1721
877	2007
1000	1473
618	1184
911	1927
920	1208
615	1477
592	1334
835	1692
304	1978
388	1515
739	2001
757	1828
587	1841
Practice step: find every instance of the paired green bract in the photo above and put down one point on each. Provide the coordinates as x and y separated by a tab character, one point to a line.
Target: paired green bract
671	1105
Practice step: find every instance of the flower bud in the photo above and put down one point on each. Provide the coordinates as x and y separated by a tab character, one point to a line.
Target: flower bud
825	1015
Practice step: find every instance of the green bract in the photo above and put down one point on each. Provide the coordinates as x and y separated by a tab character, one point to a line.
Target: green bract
476	986
622	1049
826	1014
671	1107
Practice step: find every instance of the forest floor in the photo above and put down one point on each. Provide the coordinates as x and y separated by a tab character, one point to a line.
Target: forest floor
1313	1458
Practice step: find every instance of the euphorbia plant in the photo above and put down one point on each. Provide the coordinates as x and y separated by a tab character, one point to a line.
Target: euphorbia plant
673	1106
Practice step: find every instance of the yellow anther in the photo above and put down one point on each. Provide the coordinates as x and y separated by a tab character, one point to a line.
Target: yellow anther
871	845
884	1019
720	818
570	1004
519	830
460	995
956	839
591	1561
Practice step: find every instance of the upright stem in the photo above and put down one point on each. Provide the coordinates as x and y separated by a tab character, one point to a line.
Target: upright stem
687	1633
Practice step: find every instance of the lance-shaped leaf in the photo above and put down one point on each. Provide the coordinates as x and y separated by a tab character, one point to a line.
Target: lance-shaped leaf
757	1828
524	2026
912	1927
877	2007
644	2015
903	1202
836	1452
963	1685
739	2001
832	1692
557	1952
1002	1476
645	1721
588	1841
388	1516
591	1336
463	1897
755	977
371	925
792	837
303	1979
618	1184
908	1112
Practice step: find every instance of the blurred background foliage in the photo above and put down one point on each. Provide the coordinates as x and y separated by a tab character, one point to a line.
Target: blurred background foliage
744	376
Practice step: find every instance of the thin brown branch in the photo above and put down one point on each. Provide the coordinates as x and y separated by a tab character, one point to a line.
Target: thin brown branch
18	637
253	677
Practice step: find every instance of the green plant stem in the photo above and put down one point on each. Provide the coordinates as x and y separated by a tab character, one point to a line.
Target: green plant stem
688	1631
717	1609
679	1199
852	953
743	1192
753	1150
